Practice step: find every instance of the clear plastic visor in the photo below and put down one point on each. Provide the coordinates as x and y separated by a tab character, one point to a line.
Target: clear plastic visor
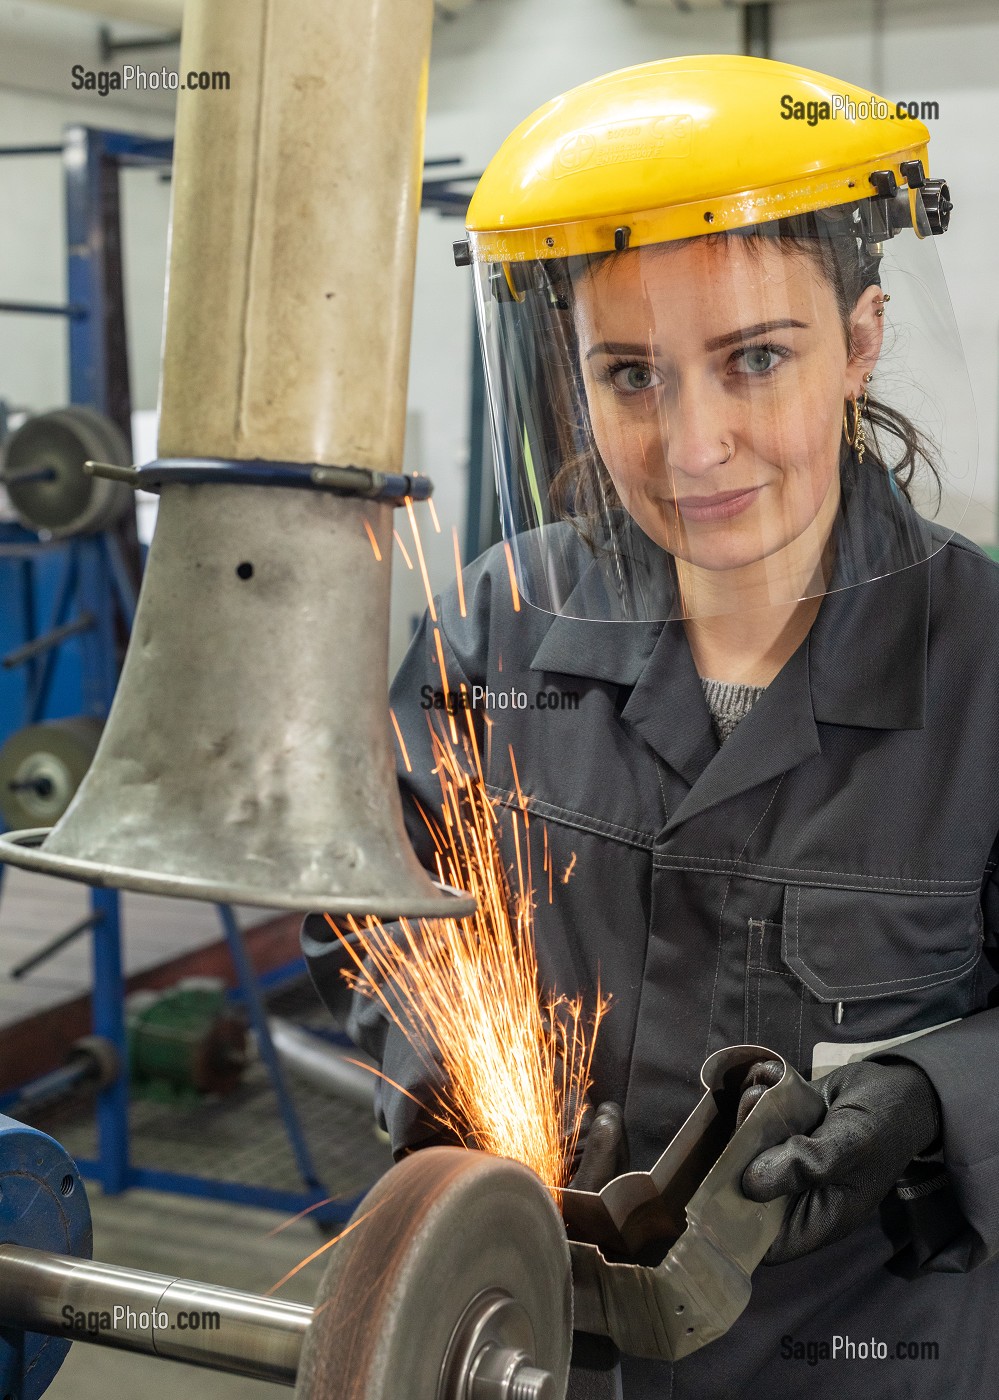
682	429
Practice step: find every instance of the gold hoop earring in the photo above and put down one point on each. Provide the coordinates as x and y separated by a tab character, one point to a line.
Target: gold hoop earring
856	438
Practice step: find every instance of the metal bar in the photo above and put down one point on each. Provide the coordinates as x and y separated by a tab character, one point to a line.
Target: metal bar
265	1046
176	1319
98	648
47	641
38	693
321	1206
129	148
111	473
45	953
122	580
74	310
108	1002
30	474
57	1084
28	615
109	46
756	30
87	358
321	1065
30	150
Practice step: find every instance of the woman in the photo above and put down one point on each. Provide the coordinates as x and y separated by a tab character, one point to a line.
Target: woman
776	776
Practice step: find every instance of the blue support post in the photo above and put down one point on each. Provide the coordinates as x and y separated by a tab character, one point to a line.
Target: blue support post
88	366
265	1046
113	1166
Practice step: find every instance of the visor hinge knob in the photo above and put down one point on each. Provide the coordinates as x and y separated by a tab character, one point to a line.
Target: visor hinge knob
462	252
622	237
937	203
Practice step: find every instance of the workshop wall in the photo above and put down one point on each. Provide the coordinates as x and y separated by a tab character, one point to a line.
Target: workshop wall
39	44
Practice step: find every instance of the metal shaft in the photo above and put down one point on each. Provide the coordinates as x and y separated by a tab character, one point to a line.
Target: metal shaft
321	1064
169	1317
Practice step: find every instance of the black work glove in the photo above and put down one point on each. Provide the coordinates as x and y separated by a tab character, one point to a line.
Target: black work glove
602	1149
879	1116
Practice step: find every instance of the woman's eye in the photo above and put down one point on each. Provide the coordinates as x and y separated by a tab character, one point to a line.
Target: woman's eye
634	379
760	359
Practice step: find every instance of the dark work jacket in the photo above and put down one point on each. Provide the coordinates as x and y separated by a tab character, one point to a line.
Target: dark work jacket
836	852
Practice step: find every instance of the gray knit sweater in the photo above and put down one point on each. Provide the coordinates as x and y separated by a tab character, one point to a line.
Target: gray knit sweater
729	703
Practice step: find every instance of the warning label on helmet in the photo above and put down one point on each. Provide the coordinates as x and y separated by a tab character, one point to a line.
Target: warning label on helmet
649	139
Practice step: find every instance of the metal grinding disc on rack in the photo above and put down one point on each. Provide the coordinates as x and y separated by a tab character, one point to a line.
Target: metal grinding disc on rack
42	470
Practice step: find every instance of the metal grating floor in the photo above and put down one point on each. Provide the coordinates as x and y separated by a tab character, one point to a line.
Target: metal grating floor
240	1136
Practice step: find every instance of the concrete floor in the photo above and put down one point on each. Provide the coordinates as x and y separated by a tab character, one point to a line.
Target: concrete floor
204	1240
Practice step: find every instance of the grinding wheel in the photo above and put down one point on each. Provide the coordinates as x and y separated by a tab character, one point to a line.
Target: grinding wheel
457	1266
63	500
41	767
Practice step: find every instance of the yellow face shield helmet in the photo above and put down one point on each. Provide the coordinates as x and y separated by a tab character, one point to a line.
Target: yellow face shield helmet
722	366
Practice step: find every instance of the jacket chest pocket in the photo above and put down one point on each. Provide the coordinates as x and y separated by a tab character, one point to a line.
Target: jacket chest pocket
855	966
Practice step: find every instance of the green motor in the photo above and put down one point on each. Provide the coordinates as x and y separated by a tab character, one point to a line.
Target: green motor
184	1042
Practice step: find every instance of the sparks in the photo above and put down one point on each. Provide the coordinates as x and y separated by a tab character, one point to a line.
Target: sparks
316	1252
457	570
374	542
401	741
449	707
514	591
414	527
517	1064
402	547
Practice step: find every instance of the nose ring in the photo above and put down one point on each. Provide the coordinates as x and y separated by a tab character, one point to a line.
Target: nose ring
728	458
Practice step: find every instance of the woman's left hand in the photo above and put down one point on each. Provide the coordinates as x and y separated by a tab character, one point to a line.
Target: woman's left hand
879	1116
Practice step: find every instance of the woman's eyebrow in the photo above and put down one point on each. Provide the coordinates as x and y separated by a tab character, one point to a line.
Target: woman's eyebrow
620	347
719	342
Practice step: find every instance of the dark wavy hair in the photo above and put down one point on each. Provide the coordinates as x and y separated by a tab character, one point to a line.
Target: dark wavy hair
582	490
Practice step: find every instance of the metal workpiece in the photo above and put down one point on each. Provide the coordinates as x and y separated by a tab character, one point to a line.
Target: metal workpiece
451	1283
176	1319
43	1206
661	1260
